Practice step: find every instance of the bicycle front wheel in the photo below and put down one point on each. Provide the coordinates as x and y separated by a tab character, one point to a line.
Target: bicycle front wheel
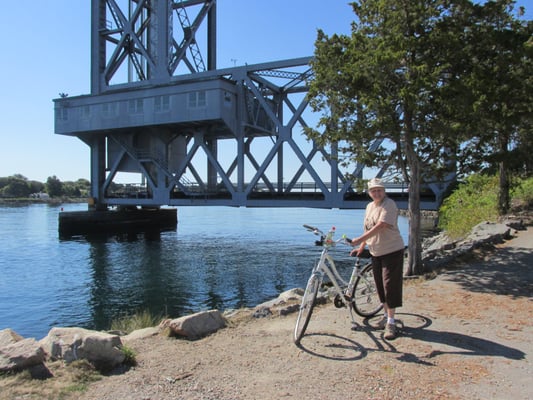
306	308
365	296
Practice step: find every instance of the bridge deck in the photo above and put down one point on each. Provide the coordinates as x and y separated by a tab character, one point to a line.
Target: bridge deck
307	195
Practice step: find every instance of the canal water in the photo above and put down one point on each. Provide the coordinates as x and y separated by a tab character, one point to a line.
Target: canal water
218	258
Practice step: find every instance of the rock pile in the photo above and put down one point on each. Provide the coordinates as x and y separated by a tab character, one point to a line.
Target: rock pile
103	350
440	250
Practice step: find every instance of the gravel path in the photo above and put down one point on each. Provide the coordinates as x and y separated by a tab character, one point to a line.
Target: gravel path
466	334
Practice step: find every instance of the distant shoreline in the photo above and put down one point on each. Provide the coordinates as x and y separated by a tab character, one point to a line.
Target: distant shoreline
51	201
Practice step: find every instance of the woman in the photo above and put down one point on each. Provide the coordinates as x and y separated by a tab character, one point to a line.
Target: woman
386	246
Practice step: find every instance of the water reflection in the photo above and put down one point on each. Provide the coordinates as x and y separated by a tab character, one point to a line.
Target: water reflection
220	258
173	277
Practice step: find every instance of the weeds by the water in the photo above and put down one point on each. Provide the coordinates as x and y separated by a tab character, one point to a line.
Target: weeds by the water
139	320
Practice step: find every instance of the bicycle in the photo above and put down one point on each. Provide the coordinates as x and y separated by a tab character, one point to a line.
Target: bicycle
358	294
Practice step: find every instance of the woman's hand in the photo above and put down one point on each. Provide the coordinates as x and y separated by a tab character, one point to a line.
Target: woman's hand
357	252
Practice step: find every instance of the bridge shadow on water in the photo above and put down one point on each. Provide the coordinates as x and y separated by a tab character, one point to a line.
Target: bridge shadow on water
341	348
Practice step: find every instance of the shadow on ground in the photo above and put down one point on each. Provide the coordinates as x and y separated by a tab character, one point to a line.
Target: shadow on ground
507	272
413	326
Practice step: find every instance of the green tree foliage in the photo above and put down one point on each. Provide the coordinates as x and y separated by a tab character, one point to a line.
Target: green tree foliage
399	90
498	79
16	186
84	187
54	187
36	186
384	92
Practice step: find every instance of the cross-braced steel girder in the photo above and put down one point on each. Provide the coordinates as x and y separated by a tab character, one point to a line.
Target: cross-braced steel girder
204	137
136	40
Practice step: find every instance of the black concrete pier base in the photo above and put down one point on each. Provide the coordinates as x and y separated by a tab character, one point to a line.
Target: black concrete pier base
131	220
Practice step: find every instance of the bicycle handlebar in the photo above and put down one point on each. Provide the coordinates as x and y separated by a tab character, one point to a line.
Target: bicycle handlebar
312	229
320	242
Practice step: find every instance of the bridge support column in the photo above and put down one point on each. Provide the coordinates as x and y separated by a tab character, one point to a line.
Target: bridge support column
98	152
212	145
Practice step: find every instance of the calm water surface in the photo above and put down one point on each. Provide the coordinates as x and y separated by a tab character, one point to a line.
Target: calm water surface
219	257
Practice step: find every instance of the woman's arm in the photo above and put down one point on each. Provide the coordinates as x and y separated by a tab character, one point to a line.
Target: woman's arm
372	232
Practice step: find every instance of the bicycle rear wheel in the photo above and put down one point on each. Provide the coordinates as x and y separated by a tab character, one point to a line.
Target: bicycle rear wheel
365	296
306	308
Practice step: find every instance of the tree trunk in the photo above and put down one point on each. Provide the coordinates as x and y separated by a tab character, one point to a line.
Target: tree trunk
503	191
414	251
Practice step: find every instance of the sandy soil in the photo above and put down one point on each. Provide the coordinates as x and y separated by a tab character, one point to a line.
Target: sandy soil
467	334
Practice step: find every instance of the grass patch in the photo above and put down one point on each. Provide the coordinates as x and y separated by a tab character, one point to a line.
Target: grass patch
139	320
65	382
129	356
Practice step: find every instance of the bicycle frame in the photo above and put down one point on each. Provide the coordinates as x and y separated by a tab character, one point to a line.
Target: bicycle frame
358	294
326	266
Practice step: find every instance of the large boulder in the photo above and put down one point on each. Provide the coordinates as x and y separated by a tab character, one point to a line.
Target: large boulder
140	334
70	344
197	325
440	250
489	233
9	336
286	303
21	354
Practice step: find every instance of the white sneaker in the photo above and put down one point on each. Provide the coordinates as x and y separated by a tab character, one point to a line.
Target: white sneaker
390	332
382	323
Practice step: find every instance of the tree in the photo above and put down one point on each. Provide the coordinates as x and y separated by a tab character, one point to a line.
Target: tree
4	181
17	186
54	187
500	80
380	89
35	186
395	92
84	186
71	189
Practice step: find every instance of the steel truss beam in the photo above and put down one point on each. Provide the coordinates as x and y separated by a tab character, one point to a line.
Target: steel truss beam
137	41
212	137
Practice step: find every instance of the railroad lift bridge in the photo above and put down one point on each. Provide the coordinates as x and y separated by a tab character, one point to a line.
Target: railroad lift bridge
196	135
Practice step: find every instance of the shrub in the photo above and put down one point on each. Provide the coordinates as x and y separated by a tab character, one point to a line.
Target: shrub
129	356
522	194
472	202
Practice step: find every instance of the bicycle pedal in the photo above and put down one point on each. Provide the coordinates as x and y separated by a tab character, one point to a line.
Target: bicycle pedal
337	301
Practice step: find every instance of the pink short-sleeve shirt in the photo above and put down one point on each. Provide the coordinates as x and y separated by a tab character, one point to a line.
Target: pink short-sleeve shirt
387	240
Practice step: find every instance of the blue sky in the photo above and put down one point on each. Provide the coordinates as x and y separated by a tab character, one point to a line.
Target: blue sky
46	50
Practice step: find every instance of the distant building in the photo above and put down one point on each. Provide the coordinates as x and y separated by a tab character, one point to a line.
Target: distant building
40	195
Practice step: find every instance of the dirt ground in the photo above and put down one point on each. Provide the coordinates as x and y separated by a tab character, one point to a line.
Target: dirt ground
466	334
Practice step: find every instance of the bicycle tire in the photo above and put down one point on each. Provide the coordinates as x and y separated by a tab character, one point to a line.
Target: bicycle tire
365	296
306	308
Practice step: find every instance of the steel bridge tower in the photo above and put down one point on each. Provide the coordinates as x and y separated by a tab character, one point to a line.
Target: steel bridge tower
195	135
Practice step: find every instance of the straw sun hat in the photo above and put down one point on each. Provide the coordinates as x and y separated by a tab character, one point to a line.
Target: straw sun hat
375	183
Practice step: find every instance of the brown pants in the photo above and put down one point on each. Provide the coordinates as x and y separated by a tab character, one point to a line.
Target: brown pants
388	275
